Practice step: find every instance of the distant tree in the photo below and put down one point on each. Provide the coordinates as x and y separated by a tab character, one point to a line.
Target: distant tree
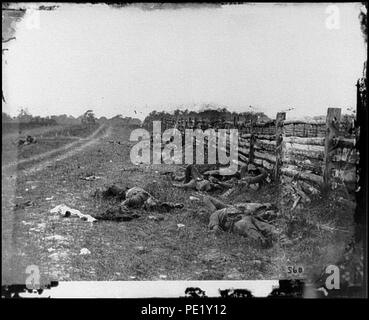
6	117
89	117
63	118
223	110
72	120
24	115
262	117
209	114
184	113
102	119
255	116
36	119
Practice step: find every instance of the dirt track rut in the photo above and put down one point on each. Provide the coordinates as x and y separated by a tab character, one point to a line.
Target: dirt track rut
40	161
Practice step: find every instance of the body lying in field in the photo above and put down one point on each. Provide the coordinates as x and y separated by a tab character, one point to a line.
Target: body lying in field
212	180
193	179
251	220
136	199
139	198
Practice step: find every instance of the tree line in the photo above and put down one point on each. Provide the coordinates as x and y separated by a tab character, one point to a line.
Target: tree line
24	116
211	113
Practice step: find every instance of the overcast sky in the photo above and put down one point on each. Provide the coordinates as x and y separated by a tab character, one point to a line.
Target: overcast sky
116	61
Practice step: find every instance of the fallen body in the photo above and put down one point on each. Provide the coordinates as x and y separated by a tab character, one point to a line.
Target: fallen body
139	198
28	140
135	198
250	220
194	180
210	180
248	178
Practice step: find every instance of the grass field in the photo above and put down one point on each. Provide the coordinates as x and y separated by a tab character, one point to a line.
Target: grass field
144	249
48	138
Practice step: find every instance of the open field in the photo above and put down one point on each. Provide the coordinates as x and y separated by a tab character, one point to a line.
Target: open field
49	138
144	249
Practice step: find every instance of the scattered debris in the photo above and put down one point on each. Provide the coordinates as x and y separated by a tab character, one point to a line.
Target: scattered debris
67	212
23	205
301	193
84	251
293	195
41	225
90	178
295	203
329	228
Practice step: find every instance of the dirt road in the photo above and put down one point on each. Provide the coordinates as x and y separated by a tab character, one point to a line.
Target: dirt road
38	162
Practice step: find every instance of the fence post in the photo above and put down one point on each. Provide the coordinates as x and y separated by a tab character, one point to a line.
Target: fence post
281	116
252	141
332	131
361	128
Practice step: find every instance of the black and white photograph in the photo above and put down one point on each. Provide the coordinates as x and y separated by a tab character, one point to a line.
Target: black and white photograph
184	150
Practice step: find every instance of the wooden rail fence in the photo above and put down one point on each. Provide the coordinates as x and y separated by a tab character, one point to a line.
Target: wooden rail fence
320	154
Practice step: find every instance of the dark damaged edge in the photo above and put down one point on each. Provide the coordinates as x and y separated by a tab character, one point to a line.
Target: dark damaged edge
13	290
